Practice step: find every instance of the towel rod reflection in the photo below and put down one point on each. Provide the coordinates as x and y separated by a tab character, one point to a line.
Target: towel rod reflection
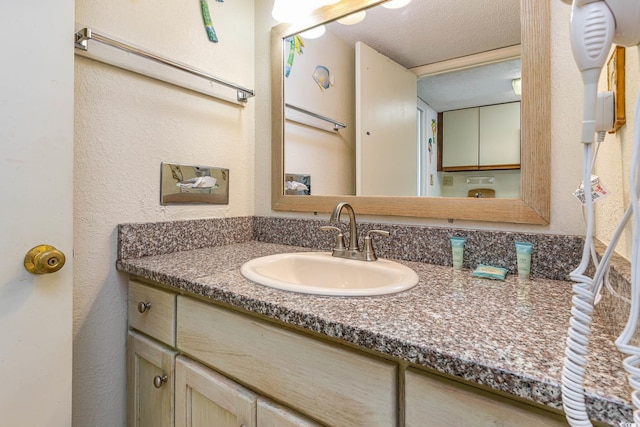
84	35
336	124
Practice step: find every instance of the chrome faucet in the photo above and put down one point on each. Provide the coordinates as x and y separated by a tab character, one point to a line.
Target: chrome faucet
353	226
353	251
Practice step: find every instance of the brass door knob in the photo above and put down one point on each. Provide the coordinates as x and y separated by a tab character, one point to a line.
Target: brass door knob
44	259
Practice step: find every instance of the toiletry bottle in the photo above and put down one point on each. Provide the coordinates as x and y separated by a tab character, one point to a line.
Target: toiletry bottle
523	252
457	249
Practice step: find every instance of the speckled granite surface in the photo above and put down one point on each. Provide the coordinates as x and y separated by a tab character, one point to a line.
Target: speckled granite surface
554	256
506	335
156	238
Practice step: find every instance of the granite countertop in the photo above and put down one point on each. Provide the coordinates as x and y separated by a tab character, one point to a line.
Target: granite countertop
509	335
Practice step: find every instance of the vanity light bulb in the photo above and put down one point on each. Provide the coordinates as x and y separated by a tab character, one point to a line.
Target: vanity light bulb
283	11
395	4
314	32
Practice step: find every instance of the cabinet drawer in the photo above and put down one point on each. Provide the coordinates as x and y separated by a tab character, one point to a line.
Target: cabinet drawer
447	403
158	318
335	386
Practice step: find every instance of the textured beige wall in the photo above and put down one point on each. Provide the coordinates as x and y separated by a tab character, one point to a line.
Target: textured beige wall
613	162
125	125
566	215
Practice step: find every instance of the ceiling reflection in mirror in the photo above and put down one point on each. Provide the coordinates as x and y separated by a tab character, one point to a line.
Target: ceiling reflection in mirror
362	118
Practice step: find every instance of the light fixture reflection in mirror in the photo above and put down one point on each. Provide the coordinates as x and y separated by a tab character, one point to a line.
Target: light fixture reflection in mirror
353	19
533	205
314	33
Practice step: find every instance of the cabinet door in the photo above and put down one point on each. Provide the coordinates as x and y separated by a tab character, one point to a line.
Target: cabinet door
337	387
150	382
435	401
270	414
460	139
205	398
500	136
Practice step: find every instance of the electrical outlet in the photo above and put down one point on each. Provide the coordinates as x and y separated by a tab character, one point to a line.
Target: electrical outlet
447	181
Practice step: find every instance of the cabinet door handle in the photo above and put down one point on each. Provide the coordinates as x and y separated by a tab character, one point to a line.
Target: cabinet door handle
144	306
159	380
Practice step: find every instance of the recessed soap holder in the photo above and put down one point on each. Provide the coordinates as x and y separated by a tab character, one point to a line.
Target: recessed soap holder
296	184
189	184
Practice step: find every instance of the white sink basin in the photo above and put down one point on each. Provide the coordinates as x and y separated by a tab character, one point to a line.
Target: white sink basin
320	273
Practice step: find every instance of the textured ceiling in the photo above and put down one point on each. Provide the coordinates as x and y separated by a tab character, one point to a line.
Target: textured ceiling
471	87
429	31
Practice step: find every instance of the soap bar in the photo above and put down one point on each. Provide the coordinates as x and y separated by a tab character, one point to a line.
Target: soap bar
489	272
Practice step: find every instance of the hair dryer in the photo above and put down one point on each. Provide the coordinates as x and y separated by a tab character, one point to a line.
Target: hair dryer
595	25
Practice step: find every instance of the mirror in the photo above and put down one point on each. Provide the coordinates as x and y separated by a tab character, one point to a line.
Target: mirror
533	204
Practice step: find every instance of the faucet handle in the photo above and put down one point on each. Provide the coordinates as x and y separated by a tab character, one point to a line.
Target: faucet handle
369	253
380	232
340	246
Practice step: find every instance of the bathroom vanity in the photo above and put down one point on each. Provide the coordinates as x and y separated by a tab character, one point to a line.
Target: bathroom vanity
205	343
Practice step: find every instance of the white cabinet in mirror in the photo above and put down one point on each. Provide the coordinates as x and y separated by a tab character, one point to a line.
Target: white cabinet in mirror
480	139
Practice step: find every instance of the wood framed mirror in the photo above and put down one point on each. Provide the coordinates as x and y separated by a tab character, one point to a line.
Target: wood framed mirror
533	206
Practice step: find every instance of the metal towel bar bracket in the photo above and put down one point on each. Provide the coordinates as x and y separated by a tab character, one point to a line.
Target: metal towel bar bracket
336	124
82	42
